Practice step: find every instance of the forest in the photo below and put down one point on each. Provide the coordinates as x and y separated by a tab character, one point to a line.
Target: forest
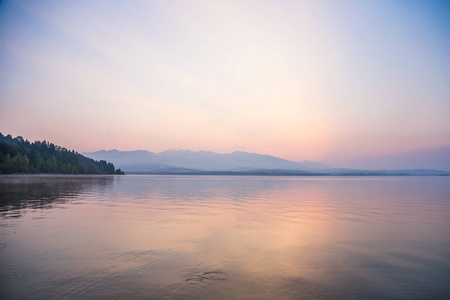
18	155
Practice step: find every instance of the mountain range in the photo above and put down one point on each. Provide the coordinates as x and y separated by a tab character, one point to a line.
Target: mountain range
146	161
241	163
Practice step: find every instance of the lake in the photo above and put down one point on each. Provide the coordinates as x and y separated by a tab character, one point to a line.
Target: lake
224	237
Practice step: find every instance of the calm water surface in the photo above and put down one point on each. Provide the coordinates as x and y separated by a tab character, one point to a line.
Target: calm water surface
219	237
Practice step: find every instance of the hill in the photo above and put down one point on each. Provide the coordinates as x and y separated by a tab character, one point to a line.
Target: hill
18	155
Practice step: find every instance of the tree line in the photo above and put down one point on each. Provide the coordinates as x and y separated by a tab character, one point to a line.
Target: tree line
20	156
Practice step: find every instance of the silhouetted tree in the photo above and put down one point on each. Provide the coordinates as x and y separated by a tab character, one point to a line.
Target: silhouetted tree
18	155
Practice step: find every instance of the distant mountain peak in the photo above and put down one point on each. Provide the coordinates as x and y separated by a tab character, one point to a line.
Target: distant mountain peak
109	151
176	150
313	165
238	151
194	160
181	160
243	152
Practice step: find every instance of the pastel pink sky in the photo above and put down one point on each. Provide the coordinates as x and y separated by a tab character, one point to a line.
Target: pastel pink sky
303	80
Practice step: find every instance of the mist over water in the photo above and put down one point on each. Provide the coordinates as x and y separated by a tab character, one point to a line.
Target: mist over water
219	237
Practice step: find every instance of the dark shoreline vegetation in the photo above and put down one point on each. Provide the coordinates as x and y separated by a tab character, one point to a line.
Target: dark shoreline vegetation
18	155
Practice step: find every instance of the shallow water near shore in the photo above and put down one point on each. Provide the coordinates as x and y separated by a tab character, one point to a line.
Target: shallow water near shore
224	237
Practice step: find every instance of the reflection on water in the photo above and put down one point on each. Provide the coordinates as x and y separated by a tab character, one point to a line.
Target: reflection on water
18	193
219	237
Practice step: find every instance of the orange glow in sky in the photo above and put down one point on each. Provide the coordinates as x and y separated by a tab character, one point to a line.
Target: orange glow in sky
302	80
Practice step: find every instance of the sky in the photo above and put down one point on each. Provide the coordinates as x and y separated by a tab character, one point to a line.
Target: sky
341	82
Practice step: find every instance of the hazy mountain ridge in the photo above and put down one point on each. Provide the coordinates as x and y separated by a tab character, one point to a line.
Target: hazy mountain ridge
140	160
236	163
313	164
